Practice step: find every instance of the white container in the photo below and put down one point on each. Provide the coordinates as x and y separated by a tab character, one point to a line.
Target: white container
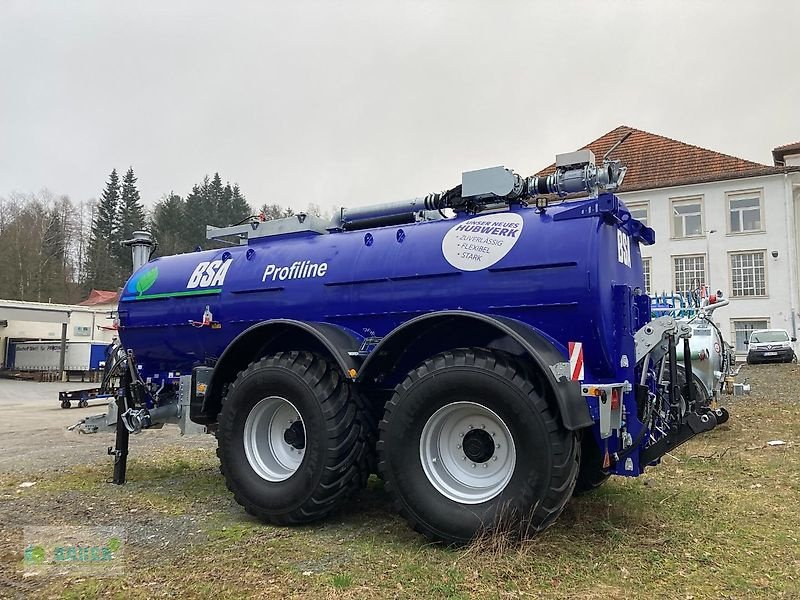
44	356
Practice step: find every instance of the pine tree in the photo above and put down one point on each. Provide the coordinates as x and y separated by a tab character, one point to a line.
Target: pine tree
101	267
216	200
238	209
167	225
211	203
198	210
232	208
275	211
131	218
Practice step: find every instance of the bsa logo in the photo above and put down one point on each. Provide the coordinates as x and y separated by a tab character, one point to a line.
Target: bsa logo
623	248
209	274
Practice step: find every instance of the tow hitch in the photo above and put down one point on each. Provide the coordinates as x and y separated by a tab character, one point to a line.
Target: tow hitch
694	424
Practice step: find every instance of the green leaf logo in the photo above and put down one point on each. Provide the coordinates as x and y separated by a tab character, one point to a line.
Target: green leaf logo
146	281
114	544
35	555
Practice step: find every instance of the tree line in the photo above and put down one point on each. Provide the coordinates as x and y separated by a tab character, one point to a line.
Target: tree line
55	250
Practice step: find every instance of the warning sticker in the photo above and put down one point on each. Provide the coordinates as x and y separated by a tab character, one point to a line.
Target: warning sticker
479	243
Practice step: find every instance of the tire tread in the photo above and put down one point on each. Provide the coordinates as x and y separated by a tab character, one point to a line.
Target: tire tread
347	467
565	449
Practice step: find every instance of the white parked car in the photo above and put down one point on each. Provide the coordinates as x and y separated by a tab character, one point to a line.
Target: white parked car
770	345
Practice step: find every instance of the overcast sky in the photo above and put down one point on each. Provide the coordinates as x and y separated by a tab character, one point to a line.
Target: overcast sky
346	103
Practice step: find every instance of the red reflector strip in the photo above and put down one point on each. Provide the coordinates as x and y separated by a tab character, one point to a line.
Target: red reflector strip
576	361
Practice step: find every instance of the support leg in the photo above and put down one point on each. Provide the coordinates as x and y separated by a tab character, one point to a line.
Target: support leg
120	450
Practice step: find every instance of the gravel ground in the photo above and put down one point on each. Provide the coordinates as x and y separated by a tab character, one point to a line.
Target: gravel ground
34	435
35	446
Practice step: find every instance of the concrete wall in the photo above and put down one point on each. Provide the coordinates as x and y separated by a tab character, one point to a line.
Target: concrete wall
780	234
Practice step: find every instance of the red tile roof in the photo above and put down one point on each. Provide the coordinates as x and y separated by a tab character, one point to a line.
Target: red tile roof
780	152
100	297
792	146
655	161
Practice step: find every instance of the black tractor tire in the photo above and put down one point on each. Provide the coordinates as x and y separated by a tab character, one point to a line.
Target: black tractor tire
335	460
547	454
590	474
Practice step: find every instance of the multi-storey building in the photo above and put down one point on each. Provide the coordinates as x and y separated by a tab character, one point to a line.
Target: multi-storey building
720	221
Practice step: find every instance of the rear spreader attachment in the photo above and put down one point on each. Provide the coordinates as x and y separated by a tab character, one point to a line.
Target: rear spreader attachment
638	424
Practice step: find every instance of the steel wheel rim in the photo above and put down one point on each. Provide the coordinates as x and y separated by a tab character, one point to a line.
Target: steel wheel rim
271	456
454	468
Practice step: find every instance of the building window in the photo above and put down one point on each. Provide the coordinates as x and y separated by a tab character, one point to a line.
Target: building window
742	330
748	274
690	272
647	277
744	209
687	218
640	211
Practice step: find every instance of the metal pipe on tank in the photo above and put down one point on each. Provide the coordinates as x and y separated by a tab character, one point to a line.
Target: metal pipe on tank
375	212
141	246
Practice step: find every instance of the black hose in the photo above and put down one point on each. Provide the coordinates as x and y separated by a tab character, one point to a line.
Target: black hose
245	220
402	219
645	428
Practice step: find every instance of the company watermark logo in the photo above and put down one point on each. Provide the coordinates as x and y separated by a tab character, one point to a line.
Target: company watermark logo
68	550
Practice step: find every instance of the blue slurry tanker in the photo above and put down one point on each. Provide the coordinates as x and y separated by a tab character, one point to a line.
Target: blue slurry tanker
488	351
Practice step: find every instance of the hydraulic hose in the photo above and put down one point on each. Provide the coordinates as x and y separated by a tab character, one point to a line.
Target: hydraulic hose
619	456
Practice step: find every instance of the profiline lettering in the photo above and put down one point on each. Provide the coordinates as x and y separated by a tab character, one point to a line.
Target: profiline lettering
297	270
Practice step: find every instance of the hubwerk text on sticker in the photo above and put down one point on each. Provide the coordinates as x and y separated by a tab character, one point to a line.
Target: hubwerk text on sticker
480	242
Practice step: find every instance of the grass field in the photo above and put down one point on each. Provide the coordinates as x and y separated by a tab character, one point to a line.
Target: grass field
720	518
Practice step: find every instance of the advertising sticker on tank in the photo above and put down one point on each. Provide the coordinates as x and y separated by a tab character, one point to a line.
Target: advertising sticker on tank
479	243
